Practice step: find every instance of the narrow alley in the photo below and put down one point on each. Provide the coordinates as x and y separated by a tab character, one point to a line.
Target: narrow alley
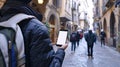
103	56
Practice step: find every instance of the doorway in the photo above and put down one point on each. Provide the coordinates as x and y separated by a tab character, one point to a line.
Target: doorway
112	29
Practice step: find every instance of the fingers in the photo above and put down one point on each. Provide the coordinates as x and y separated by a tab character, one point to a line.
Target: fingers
64	46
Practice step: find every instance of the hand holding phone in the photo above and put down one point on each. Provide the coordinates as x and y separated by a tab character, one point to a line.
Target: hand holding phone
64	46
62	37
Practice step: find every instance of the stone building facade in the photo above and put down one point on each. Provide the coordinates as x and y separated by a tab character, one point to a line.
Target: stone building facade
106	17
55	13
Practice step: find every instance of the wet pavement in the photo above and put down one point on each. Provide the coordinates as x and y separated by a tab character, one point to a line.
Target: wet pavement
103	56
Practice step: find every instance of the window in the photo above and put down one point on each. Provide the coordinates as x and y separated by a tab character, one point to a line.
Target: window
56	3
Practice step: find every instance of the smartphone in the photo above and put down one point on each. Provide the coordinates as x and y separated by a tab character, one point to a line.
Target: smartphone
62	37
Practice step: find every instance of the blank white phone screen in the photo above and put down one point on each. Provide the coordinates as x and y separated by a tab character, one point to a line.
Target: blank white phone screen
62	36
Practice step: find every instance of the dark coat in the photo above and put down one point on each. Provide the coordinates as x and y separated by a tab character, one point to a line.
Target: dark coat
38	48
73	37
102	35
77	36
90	38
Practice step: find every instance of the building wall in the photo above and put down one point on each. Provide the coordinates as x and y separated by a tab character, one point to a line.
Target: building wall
107	16
65	11
84	14
52	10
49	10
100	7
57	9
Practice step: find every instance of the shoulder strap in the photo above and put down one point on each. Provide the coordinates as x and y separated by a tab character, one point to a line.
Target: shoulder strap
13	23
15	20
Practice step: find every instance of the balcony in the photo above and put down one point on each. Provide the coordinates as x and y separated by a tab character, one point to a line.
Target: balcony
65	12
65	16
110	3
73	8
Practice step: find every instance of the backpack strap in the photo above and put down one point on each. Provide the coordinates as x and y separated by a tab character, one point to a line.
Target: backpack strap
2	64
15	20
13	23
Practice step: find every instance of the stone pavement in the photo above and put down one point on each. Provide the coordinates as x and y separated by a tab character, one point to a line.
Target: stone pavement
103	56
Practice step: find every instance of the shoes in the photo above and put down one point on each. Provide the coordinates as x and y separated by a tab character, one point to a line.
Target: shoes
72	52
90	56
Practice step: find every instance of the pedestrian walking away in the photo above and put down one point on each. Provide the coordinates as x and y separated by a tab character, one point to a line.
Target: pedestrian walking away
90	38
77	37
81	35
102	37
73	41
39	50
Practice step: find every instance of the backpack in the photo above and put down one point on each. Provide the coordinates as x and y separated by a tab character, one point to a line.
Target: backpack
102	35
90	38
81	35
73	37
11	42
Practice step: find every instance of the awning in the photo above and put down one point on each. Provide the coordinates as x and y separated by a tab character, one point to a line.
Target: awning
64	19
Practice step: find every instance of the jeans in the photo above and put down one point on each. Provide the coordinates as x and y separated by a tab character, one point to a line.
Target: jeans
73	46
78	43
90	50
102	42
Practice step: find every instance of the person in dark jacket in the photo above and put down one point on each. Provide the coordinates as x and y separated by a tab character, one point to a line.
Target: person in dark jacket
90	39
38	47
73	36
77	37
102	37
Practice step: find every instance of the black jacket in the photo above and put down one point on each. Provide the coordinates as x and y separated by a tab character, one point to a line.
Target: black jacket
77	36
102	35
38	48
73	37
90	38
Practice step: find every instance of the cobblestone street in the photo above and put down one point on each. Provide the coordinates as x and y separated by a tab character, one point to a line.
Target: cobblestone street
103	56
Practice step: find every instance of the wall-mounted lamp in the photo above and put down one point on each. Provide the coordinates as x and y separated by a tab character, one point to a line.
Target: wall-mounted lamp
40	1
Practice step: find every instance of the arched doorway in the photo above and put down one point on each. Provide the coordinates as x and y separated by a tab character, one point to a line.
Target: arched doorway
112	29
105	26
52	28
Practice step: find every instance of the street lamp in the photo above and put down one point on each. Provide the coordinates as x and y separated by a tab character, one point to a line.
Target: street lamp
40	1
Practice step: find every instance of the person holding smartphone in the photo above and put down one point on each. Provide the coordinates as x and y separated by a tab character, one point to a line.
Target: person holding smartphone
39	50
